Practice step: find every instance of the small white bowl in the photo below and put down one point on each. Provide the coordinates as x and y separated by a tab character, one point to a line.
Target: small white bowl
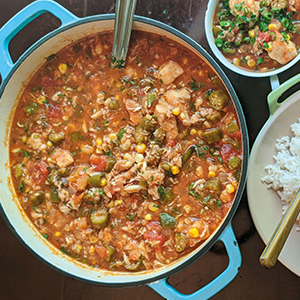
209	17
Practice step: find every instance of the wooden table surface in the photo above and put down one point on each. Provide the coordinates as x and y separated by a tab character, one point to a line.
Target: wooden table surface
24	276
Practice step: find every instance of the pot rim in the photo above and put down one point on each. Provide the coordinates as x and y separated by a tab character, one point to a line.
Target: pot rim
202	249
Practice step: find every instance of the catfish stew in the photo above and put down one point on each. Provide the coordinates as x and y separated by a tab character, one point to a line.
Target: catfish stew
126	169
258	35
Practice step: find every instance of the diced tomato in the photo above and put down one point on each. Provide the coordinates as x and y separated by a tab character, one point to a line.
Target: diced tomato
263	37
39	171
236	134
99	162
101	251
154	226
171	143
54	112
47	81
227	151
158	239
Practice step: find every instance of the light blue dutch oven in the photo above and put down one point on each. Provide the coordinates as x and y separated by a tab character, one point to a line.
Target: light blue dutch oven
16	76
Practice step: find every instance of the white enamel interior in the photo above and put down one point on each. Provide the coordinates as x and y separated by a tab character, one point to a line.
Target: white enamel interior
17	218
209	16
265	205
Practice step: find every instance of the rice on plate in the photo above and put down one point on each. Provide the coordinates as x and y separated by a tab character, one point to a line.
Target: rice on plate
284	174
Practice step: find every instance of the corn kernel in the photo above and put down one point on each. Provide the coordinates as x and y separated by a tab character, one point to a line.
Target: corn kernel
113	137
236	61
270	47
272	26
152	207
41	99
201	73
65	118
93	239
103	182
211	174
62	68
182	116
148	217
118	202
92	250
229	188
174	170
24	138
251	33
49	144
127	156
193	131
117	97
139	157
110	204
200	132
193	232
235	183
99	142
57	233
251	62
199	101
140	148
176	111
79	247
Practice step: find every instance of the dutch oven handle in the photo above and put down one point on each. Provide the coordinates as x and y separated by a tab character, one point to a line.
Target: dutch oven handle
235	260
20	20
276	93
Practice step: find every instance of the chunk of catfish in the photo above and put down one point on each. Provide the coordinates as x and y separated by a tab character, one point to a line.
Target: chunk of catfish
169	71
134	110
280	50
180	98
166	119
63	158
238	8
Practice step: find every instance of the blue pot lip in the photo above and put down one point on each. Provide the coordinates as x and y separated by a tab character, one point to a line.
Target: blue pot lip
217	69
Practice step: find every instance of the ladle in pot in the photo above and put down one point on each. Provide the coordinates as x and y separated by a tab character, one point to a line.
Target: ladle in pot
123	22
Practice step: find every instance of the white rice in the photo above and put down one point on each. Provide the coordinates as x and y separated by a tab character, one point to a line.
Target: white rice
284	174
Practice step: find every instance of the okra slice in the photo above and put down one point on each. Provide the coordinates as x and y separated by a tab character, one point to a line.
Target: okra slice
218	99
181	240
100	218
37	198
213	135
54	195
95	180
111	161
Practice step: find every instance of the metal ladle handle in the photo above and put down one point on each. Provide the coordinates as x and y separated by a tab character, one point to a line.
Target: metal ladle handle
123	22
269	256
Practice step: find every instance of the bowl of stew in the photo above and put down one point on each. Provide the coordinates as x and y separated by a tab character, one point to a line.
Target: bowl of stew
254	38
120	175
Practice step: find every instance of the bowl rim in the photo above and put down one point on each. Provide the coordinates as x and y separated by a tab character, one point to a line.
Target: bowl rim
208	21
202	249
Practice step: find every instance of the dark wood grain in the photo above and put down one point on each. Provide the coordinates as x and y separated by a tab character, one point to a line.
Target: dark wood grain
24	276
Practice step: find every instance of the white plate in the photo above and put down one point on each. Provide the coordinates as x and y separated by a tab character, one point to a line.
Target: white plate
265	205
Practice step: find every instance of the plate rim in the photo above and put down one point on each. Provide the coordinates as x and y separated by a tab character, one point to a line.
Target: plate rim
293	99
